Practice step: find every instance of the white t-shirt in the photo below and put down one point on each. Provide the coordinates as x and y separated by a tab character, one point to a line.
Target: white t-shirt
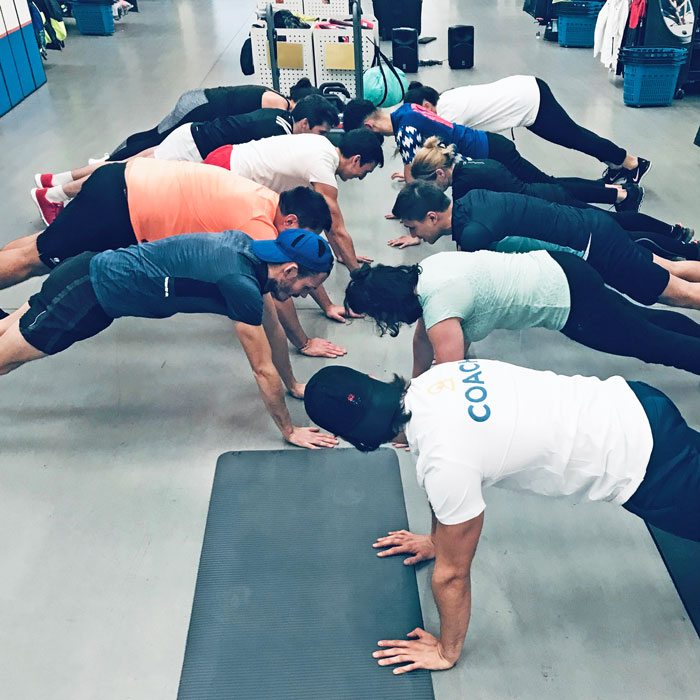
285	162
499	106
480	422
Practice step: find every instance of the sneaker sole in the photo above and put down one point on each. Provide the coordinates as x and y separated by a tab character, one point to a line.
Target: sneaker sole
37	180
38	206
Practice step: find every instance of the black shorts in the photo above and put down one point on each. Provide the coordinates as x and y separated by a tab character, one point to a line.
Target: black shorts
97	219
625	265
65	309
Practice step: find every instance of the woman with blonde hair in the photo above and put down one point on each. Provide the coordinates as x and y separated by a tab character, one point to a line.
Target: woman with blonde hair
439	163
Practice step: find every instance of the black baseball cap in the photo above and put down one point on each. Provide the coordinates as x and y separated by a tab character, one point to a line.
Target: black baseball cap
353	405
296	245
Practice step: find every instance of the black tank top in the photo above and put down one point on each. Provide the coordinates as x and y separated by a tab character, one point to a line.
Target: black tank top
235	99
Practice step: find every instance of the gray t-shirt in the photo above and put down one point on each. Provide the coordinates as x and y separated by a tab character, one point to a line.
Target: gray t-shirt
191	273
488	290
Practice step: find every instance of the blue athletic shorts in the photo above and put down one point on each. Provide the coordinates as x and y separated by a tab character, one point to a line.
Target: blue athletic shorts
669	495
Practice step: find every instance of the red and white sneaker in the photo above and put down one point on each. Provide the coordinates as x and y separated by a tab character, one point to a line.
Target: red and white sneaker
44	180
48	210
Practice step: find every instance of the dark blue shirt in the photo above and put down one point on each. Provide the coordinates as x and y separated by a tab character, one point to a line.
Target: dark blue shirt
192	273
482	218
413	124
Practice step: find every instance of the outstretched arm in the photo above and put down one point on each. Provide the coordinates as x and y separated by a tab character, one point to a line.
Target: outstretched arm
259	355
447	341
422	350
313	347
278	348
338	237
455	546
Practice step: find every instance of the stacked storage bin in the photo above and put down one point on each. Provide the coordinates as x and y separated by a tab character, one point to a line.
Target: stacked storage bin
94	16
651	75
21	71
577	22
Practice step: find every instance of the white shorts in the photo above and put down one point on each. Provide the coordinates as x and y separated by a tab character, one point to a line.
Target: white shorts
179	145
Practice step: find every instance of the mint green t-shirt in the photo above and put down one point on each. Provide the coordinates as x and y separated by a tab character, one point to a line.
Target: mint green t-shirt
488	290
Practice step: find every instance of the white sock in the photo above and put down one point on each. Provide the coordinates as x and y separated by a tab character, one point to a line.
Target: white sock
59	179
56	195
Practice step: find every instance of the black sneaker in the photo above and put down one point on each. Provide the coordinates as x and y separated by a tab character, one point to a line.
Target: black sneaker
3	314
635	175
615	176
612	176
633	200
681	233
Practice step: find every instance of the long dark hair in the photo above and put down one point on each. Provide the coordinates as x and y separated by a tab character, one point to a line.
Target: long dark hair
385	293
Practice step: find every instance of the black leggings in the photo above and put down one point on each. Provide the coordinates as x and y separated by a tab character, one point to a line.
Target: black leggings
489	174
555	125
604	320
665	247
504	151
136	143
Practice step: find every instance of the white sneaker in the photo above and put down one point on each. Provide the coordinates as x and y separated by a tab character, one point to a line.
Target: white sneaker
94	161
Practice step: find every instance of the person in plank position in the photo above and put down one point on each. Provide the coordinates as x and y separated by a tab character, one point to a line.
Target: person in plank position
480	422
223	273
439	164
283	162
145	200
518	223
412	124
459	298
527	101
194	142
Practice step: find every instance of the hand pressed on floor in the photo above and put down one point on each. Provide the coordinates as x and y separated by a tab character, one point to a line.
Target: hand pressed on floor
404	241
318	347
311	438
340	313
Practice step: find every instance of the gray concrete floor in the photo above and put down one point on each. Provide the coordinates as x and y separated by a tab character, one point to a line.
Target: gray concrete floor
108	451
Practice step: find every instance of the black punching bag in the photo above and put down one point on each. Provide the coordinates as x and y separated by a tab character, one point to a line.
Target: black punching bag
460	46
404	47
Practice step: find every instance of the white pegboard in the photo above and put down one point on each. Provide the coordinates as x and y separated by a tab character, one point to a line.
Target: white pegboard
327	9
288	76
323	37
291	5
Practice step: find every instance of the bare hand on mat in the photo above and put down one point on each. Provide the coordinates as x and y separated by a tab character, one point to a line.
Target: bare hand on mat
405	542
318	347
423	652
404	241
312	438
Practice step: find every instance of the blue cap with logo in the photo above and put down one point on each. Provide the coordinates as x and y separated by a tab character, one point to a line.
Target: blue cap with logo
296	245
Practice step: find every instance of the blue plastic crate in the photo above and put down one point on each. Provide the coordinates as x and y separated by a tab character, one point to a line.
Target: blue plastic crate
94	19
577	30
650	85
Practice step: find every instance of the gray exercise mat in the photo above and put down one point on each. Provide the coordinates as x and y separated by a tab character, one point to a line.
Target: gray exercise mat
291	597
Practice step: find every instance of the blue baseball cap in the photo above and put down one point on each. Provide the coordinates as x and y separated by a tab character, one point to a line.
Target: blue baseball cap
296	245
